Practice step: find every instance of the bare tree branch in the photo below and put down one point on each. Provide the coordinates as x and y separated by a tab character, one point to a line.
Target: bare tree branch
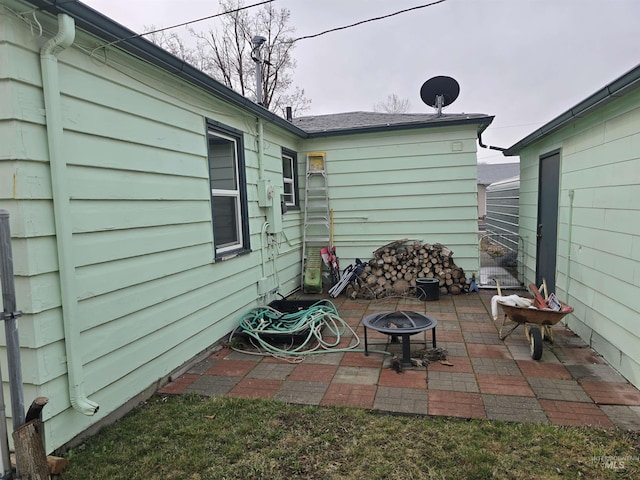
224	52
393	104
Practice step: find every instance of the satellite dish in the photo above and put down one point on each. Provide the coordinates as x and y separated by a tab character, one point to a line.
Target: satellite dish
438	92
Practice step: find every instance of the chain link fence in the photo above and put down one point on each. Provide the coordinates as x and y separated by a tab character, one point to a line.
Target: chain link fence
501	260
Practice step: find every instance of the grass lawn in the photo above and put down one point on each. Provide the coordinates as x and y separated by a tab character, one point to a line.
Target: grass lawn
195	438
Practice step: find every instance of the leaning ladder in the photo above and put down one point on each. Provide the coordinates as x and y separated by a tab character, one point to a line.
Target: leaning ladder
317	222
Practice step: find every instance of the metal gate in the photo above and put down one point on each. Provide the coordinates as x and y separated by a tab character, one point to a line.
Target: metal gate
501	260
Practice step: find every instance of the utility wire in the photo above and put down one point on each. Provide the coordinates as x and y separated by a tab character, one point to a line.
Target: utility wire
185	23
368	20
519	125
263	3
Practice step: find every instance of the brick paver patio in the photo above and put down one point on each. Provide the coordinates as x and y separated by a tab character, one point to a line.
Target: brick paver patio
482	376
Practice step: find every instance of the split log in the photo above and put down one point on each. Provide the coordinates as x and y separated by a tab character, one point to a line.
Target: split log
56	465
401	286
389	246
31	458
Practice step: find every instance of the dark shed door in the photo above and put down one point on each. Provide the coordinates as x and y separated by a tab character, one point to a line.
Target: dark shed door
547	235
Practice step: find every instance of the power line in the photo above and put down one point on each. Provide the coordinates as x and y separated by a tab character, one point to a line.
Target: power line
369	20
519	125
183	24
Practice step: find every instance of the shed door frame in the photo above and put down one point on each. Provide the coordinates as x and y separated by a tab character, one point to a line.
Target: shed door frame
547	224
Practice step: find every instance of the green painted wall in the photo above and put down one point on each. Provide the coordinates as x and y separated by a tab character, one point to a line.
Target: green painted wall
598	261
418	184
150	296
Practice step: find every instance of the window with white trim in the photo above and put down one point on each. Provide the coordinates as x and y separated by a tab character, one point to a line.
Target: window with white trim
228	190
290	178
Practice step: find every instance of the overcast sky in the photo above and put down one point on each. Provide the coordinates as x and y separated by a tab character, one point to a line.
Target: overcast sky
524	61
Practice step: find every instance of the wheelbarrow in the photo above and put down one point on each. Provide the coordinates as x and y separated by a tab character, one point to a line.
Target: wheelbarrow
537	324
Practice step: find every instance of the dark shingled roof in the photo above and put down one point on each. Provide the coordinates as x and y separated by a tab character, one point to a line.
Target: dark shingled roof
493	172
352	122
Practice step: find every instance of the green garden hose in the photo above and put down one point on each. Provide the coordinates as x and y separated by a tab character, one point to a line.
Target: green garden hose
319	326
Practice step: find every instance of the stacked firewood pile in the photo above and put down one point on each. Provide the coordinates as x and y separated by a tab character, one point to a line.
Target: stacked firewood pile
394	268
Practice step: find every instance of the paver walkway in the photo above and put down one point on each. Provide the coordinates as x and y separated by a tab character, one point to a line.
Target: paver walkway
483	376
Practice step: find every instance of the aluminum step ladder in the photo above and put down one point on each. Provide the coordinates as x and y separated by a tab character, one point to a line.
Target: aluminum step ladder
317	222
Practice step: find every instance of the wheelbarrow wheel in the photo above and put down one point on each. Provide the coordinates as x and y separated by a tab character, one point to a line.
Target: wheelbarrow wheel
535	339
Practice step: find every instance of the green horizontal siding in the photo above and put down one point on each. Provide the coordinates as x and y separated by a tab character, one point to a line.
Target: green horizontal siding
363	211
106	307
377	155
103	215
110	153
99	247
108	122
14	146
424	176
118	274
92	184
149	294
22	101
40	329
417	185
25	180
30	218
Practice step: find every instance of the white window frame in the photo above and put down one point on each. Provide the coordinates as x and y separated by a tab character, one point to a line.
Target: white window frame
290	156
238	193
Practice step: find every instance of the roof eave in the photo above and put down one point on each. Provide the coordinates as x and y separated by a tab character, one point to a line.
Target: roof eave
608	93
97	24
482	122
103	27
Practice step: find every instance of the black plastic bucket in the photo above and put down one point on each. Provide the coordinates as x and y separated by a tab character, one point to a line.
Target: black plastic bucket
292	306
428	289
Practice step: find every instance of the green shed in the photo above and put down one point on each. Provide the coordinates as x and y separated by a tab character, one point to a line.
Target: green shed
579	215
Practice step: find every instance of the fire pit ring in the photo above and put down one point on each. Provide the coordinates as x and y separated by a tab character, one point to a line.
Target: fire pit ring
400	323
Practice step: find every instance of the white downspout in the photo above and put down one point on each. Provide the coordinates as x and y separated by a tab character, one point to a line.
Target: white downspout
61	207
569	240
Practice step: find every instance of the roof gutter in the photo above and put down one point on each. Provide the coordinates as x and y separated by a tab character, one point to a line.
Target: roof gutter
617	88
482	122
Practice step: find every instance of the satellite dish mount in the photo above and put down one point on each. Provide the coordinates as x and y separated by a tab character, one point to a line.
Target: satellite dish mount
439	103
438	92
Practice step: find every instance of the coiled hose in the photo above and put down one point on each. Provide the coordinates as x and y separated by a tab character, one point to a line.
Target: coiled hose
318	329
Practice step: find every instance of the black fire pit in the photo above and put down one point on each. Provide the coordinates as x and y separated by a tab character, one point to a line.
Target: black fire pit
400	323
